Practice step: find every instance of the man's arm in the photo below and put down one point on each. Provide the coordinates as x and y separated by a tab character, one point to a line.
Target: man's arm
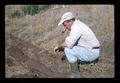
62	45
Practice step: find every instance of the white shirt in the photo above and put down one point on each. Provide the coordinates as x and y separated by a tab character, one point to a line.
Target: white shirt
87	37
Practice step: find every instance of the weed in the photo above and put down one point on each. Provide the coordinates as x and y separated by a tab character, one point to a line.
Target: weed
30	9
16	14
33	9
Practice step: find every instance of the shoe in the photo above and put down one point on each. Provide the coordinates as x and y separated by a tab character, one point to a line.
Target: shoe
63	58
75	72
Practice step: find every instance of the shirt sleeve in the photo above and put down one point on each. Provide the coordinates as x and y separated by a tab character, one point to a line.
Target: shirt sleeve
73	36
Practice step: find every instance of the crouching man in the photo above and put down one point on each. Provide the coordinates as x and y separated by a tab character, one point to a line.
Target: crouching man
81	44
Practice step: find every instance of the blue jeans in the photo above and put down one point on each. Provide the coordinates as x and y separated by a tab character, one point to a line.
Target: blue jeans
81	53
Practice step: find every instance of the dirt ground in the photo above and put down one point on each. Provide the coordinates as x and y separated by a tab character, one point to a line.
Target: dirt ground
29	42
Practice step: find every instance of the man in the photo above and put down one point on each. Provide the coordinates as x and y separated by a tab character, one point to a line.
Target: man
81	44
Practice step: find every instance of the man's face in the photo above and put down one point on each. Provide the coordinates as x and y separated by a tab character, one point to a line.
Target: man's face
67	24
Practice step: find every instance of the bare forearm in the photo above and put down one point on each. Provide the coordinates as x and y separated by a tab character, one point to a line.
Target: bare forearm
63	45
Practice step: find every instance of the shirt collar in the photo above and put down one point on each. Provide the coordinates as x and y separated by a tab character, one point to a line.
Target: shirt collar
74	23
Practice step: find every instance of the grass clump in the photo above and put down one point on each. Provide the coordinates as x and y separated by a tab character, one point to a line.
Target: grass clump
33	9
30	9
16	14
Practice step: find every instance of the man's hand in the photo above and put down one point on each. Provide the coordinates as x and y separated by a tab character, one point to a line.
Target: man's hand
59	48
56	50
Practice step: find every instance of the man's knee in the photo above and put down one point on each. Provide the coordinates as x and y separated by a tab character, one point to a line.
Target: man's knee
70	55
72	60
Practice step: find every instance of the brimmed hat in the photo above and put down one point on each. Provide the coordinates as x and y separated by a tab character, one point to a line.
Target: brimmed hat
66	16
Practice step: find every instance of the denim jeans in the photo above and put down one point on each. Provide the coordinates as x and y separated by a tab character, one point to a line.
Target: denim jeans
81	53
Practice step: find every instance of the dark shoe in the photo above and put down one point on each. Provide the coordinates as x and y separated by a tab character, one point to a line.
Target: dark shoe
63	58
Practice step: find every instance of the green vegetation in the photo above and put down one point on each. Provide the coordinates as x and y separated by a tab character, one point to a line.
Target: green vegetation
33	9
16	14
30	9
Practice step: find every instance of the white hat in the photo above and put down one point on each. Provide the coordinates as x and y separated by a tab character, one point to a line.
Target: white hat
66	16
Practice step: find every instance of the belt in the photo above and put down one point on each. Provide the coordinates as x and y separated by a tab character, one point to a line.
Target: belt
92	47
95	48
